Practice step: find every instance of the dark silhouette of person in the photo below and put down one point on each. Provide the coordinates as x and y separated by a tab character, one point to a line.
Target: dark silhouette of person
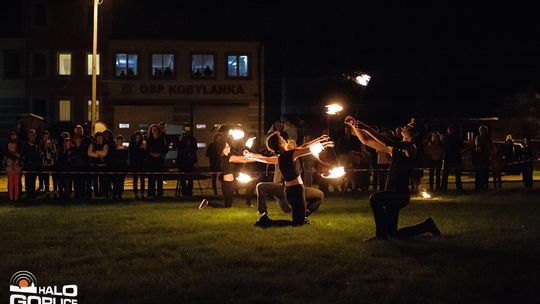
186	159
453	146
387	204
208	72
214	157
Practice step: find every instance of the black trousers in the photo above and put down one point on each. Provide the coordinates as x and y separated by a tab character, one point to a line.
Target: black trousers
386	206
155	180
30	184
527	172
456	170
296	196
435	174
186	180
228	194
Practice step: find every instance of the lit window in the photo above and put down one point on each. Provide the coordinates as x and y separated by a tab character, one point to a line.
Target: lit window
202	66
126	65
64	110
162	65
200	126
89	64
64	64
201	145
89	111
237	66
123	126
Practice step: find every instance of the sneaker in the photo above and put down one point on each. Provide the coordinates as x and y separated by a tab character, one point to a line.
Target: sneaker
432	228
203	204
263	221
306	221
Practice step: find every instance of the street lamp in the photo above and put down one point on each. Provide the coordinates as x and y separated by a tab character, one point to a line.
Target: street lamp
93	104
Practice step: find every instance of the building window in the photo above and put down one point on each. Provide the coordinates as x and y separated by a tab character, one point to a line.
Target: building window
89	110
202	66
64	64
162	65
237	66
13	64
64	110
126	65
41	14
89	64
39	65
39	106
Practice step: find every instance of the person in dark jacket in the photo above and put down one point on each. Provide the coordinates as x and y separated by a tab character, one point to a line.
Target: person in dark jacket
157	150
137	162
527	158
65	182
119	163
453	146
47	152
97	152
107	179
86	141
186	159
31	162
78	163
214	158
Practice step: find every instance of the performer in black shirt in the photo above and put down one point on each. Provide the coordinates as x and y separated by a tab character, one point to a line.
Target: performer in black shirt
387	204
289	164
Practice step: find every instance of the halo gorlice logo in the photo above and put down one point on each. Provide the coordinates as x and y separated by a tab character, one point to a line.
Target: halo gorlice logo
24	290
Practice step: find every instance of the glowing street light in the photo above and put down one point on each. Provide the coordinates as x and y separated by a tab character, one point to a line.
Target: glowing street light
243	178
93	102
336	172
236	134
333	109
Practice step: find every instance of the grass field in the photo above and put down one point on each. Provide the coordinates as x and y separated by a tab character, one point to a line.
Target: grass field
171	252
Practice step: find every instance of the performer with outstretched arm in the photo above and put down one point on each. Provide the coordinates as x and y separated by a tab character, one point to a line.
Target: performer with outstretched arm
289	164
387	204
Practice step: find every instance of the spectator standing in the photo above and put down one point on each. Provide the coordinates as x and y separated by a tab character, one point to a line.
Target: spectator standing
109	140
47	151
157	150
137	162
481	158
12	161
308	165
435	157
86	141
119	164
214	159
495	164
31	162
97	151
65	181
453	145
78	163
527	157
186	159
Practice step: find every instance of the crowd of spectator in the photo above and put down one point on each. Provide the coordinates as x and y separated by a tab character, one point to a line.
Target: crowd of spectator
84	167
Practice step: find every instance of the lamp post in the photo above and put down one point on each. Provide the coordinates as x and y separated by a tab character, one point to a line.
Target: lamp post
93	106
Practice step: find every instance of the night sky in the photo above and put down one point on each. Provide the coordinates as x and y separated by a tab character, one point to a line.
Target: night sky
440	59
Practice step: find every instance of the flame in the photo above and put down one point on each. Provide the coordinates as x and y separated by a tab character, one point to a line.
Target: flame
243	178
249	142
333	109
236	134
335	172
362	79
316	149
425	195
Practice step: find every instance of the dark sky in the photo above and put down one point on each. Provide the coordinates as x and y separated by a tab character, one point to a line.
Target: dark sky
440	57
443	55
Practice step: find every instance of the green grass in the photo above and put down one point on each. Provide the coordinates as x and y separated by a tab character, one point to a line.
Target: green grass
170	252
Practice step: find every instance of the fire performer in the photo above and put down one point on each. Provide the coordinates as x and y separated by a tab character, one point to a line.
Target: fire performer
227	184
289	164
387	204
